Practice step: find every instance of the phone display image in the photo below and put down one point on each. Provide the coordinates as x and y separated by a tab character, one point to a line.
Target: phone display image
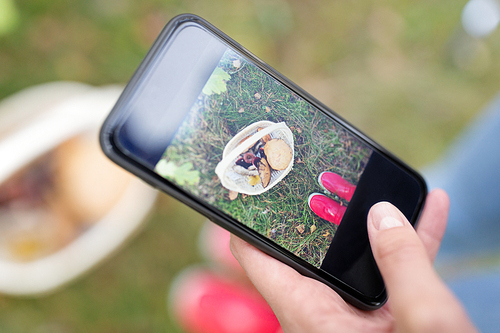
256	158
261	154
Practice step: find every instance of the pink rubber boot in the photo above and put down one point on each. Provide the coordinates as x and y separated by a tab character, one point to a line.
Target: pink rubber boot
335	184
326	208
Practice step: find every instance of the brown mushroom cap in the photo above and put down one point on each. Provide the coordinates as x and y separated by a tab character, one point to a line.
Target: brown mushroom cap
243	140
266	137
264	172
278	153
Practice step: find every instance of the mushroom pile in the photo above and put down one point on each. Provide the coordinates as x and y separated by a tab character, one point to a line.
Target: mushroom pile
265	156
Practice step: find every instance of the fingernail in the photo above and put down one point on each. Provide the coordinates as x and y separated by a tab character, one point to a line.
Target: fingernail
388	223
385	216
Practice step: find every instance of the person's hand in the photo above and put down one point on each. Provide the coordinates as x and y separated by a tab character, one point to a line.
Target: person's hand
418	299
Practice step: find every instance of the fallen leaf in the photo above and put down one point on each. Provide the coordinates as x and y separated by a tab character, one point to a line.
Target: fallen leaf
237	63
182	174
257	95
268	109
299	130
313	228
326	234
233	195
300	228
241	110
216	83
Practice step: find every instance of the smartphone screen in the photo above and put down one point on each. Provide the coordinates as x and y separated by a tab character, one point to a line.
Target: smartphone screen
220	126
221	155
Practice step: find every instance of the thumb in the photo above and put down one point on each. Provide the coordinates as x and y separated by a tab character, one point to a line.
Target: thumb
419	300
396	247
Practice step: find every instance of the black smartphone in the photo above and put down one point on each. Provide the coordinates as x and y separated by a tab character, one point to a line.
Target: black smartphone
207	122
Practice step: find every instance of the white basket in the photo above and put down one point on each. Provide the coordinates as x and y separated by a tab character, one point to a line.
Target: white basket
62	111
234	148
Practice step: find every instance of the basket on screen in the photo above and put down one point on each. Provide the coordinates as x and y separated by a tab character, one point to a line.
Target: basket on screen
241	143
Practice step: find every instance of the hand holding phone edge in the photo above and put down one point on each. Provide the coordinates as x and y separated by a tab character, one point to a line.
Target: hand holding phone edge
419	301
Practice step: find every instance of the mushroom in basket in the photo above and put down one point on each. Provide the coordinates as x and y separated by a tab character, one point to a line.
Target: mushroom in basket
264	156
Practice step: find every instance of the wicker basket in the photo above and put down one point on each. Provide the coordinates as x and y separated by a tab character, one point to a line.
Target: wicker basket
234	148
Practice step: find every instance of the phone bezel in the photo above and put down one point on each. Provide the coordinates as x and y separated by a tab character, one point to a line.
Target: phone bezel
113	151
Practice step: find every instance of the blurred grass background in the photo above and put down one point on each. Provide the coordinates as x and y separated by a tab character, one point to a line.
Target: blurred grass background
395	69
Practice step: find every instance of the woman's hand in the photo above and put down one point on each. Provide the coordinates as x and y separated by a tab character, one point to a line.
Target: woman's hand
418	300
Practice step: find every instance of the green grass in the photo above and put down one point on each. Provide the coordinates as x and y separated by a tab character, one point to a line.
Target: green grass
281	213
383	65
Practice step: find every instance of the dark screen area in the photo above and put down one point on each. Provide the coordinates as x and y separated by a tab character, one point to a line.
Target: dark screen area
350	257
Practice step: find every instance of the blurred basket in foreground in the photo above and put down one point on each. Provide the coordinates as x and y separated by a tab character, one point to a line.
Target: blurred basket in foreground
63	206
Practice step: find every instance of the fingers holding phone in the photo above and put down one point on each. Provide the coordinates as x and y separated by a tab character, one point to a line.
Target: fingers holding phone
419	300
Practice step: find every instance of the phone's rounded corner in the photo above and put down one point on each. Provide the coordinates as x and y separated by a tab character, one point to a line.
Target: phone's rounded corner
104	138
356	298
424	191
107	141
372	304
424	188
